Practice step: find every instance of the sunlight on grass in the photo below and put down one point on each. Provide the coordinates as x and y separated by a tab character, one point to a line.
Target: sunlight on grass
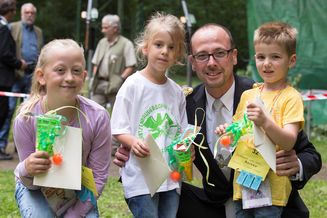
112	204
321	146
7	198
314	196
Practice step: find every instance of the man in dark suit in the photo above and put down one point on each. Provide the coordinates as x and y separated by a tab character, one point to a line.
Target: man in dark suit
29	40
213	58
8	59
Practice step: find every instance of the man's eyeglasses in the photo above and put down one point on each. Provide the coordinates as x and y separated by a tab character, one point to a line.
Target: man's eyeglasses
217	55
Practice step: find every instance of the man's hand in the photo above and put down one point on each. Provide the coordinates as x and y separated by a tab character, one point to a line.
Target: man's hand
121	156
286	163
24	64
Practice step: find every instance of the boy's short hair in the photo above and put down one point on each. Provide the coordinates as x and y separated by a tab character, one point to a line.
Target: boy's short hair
277	32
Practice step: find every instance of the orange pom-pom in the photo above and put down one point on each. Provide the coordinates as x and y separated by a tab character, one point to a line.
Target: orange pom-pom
225	140
175	176
57	159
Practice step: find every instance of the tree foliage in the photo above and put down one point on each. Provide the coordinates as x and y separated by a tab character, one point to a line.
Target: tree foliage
61	19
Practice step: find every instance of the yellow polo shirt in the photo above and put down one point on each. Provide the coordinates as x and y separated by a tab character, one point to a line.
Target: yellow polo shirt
285	107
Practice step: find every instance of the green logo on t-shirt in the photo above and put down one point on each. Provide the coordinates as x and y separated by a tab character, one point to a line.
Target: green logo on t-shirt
158	121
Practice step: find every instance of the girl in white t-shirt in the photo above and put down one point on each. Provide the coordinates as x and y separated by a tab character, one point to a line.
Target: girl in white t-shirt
150	103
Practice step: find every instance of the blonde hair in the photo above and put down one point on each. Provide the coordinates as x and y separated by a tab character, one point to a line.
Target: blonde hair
162	22
277	32
38	90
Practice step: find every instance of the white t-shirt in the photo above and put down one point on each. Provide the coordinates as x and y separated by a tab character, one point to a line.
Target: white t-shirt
142	107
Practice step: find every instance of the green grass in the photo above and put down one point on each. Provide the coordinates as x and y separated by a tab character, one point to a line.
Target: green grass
7	198
112	203
321	146
314	196
314	193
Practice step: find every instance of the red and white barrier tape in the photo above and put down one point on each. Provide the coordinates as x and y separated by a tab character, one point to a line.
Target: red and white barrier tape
314	97
305	97
11	94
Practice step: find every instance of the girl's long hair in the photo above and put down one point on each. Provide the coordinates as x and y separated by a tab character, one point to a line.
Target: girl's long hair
162	22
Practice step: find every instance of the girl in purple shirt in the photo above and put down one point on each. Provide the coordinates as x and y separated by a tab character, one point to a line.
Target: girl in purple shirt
57	81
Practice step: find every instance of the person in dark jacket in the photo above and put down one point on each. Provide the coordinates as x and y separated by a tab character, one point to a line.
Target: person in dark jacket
29	40
8	60
213	58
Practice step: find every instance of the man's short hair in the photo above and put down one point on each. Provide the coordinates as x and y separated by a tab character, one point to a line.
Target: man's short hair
7	6
112	19
214	25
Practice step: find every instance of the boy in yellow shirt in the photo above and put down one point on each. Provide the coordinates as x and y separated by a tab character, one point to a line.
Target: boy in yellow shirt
275	54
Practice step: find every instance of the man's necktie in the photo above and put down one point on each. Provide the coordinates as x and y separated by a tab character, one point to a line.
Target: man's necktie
218	108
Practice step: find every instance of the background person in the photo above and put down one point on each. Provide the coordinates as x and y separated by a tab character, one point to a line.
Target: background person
114	60
8	62
29	40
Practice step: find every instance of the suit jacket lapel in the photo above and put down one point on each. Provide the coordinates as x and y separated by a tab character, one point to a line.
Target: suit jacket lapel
237	94
200	102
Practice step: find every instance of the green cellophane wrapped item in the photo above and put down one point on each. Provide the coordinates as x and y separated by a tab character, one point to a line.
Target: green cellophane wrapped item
48	127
